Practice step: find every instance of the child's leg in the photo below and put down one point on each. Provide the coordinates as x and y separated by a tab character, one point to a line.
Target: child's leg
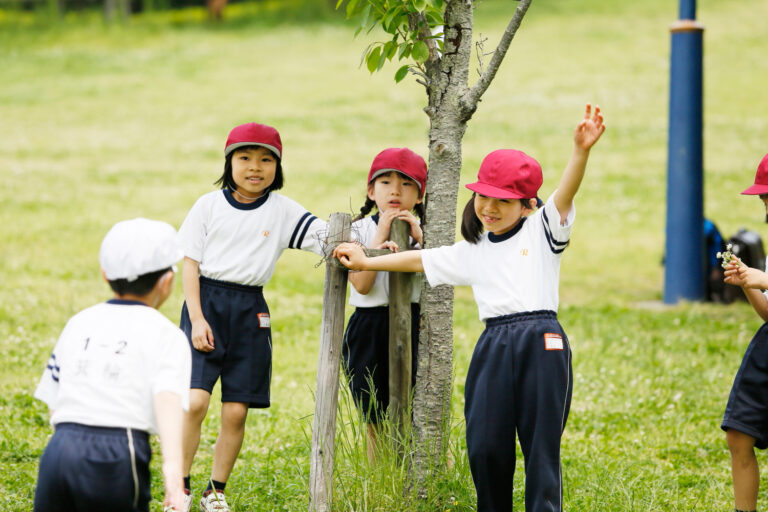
190	432
746	474
227	448
490	416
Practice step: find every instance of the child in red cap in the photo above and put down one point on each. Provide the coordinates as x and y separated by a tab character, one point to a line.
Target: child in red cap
746	414
519	380
232	239
395	186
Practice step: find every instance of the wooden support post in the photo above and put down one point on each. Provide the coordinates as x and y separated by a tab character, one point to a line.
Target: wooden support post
327	386
400	354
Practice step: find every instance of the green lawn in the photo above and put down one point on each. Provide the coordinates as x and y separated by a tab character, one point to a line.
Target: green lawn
102	123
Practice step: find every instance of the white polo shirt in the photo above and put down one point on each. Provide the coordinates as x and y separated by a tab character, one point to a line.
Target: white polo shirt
364	231
515	272
109	363
241	243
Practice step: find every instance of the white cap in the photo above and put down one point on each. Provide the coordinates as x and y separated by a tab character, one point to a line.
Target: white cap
138	246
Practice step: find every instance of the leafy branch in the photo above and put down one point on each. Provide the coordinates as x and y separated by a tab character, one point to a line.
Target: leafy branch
414	26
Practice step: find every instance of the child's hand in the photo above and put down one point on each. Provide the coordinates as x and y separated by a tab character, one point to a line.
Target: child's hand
413	222
202	335
589	130
389	244
350	255
737	273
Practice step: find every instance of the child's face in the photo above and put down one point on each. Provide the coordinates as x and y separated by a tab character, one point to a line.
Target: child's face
394	191
253	170
499	215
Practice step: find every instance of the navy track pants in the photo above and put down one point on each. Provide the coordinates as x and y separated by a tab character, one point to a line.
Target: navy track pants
519	381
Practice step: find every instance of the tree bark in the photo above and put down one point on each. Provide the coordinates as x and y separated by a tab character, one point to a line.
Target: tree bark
451	104
447	78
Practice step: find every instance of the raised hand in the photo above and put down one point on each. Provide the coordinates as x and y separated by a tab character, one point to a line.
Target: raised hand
589	130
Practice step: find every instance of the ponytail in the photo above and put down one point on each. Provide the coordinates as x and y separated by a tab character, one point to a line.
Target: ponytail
471	227
366	209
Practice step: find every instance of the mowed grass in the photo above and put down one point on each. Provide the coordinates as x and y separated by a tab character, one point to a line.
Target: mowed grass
102	123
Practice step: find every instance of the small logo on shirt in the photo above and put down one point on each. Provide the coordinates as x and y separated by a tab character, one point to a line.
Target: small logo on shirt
553	341
265	233
263	320
524	252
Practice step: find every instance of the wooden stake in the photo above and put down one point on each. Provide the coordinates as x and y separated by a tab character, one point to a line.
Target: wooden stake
327	386
400	354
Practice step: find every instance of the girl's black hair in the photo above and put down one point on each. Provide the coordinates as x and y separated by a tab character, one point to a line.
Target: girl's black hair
471	227
370	203
227	181
141	286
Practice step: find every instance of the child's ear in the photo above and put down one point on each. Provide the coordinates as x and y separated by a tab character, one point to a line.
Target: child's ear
370	192
104	275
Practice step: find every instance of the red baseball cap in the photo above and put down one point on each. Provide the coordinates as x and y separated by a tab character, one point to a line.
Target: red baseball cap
254	134
402	160
508	174
761	180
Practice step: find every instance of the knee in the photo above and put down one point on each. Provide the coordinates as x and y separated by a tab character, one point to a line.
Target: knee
198	406
740	444
233	414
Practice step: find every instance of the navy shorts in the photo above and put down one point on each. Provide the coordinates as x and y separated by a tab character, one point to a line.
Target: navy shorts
242	356
366	358
747	409
92	469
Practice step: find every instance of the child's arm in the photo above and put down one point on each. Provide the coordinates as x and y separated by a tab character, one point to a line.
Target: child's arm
353	257
169	416
202	335
587	133
751	281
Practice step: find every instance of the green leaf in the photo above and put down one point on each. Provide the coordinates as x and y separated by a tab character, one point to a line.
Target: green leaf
405	51
372	61
420	51
338	4
351	8
390	49
401	73
419	5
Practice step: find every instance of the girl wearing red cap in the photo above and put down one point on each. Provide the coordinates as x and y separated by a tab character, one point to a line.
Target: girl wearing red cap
395	187
746	416
519	380
232	239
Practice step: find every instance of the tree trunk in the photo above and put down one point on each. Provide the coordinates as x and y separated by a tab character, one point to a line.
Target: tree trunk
446	84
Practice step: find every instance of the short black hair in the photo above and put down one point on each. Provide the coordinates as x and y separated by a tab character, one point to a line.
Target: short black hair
227	181
140	286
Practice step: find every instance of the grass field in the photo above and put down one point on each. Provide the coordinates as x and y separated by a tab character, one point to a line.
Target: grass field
102	123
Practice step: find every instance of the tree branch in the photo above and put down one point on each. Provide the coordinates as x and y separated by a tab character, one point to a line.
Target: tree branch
473	95
419	22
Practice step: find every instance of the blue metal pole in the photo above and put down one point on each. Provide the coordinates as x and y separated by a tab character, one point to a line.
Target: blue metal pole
685	262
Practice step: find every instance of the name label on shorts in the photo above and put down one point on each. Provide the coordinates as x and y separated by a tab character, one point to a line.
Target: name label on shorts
553	341
264	320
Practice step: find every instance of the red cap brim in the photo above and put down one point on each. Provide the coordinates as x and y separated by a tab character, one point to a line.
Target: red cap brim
495	192
756	190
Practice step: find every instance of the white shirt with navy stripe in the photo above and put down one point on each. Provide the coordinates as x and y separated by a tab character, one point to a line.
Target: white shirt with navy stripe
364	231
109	363
241	243
511	273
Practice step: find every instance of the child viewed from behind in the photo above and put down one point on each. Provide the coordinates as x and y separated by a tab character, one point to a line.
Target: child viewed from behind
119	372
519	379
395	186
232	240
746	414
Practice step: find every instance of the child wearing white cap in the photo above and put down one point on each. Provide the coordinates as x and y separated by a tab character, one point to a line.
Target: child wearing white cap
519	379
119	372
232	239
746	415
395	187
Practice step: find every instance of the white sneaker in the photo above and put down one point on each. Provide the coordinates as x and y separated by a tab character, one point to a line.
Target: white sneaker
187	503
214	502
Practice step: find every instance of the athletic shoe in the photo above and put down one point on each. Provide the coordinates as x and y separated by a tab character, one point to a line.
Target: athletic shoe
187	501
214	502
